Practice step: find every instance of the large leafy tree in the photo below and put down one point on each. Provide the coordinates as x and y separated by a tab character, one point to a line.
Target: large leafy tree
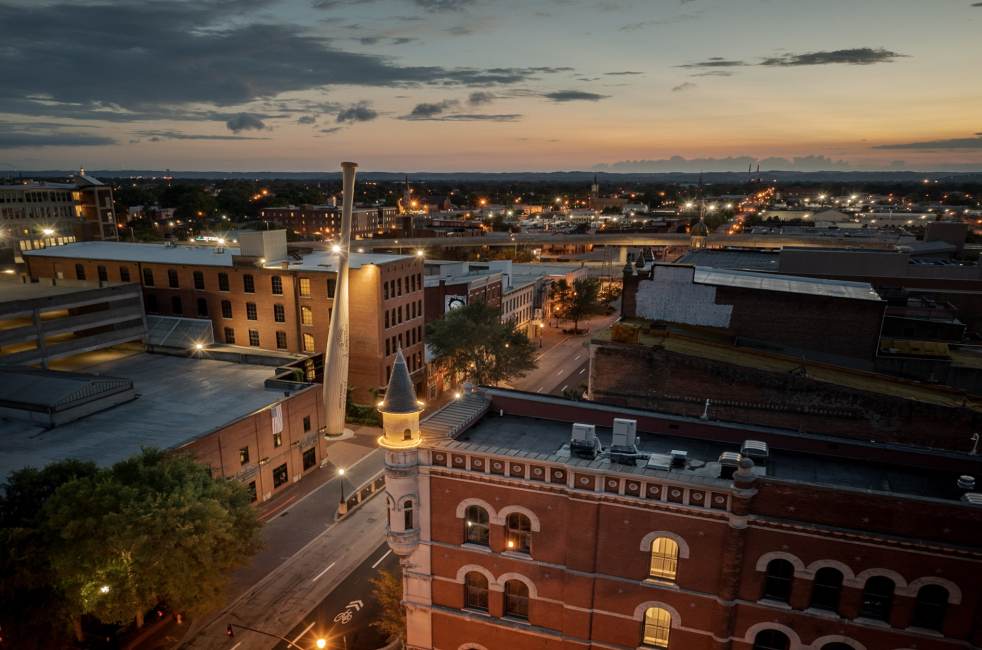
475	344
576	301
153	528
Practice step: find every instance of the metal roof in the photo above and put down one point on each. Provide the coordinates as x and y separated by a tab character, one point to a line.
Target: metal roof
786	284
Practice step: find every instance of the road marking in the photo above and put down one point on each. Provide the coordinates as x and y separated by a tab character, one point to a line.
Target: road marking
582	370
539	390
577	357
563	388
305	630
329	481
236	645
379	561
324	571
559	372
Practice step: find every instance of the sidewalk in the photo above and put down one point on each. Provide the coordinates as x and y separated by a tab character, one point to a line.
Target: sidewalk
281	600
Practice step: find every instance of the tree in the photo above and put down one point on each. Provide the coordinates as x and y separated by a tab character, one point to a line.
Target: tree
387	591
474	343
576	301
153	528
31	605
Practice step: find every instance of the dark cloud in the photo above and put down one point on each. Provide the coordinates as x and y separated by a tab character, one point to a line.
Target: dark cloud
977	4
622	73
179	55
480	98
361	112
574	96
953	143
853	56
479	117
714	73
444	5
731	164
715	62
686	85
430	110
333	129
245	122
12	139
306	119
670	20
158	135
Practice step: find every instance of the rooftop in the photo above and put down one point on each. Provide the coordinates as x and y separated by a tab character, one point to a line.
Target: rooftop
743	260
786	284
178	399
198	255
548	440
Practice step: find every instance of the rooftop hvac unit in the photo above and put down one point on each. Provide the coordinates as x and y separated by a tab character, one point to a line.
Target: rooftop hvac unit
583	442
679	458
966	482
972	498
728	463
624	443
755	450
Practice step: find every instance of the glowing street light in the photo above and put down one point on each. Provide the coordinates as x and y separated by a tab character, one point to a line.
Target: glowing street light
47	232
419	253
321	643
104	589
336	248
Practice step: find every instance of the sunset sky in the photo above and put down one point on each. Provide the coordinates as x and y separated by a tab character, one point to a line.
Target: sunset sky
491	85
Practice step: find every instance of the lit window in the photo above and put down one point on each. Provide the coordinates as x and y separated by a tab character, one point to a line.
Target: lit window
657	627
308	342
477	530
305	287
519	533
664	558
306	315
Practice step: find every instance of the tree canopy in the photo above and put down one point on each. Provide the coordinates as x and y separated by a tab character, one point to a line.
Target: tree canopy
112	543
475	344
576	301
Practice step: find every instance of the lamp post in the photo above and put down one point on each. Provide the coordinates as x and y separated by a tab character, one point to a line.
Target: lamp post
230	632
342	504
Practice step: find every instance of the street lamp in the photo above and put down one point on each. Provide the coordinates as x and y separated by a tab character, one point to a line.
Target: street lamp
321	643
342	506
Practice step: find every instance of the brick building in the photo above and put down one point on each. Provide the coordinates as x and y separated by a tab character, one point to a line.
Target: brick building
823	318
325	220
260	296
531	522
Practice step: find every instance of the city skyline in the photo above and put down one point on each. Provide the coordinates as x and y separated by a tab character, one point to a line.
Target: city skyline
443	85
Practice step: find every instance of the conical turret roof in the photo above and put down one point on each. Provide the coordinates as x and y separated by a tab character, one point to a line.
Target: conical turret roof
400	397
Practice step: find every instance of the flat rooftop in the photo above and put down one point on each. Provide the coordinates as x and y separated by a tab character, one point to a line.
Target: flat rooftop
12	289
741	260
199	255
179	399
548	441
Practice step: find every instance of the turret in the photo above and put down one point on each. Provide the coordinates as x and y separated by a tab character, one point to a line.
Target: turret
400	424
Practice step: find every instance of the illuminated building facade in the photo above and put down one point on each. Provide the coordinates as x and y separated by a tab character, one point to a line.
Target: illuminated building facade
529	522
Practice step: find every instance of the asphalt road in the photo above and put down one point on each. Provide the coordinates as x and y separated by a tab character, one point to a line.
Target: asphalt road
563	362
345	616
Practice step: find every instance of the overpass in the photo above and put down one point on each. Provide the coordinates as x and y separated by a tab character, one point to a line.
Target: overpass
884	241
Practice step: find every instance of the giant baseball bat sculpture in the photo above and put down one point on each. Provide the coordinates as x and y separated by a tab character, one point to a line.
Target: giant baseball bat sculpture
336	353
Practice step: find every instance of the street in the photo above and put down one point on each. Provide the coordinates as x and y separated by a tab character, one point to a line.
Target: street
564	360
344	618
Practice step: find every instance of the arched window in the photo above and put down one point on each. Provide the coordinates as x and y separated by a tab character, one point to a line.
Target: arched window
930	608
516	599
771	640
407	434
664	558
777	582
407	511
657	627
837	646
476	525
826	589
519	533
877	598
476	591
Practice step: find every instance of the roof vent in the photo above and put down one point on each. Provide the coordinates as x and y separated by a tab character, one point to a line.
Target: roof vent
679	458
756	450
728	463
583	442
966	482
624	442
219	250
973	498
